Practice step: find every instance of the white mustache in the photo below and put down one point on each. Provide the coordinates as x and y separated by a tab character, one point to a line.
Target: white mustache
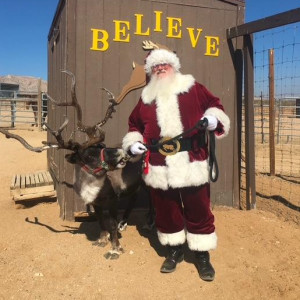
160	71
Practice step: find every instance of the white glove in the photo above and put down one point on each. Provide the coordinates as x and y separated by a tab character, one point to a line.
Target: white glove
212	122
137	148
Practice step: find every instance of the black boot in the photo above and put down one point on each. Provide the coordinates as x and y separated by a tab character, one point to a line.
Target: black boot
175	255
204	267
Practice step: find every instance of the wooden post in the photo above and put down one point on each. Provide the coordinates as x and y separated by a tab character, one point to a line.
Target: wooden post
39	104
239	96
271	113
262	117
249	123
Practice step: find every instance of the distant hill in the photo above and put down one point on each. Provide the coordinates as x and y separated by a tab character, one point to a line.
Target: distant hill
26	83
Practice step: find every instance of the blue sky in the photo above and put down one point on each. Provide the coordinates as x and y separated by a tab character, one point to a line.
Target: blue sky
24	26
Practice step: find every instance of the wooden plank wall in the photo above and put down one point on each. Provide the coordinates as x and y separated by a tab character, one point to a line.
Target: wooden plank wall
112	68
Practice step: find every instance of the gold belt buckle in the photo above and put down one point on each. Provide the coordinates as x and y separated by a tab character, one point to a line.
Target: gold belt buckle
168	148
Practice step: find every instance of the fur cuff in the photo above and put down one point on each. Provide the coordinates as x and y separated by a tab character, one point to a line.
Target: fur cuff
202	242
172	239
222	118
130	138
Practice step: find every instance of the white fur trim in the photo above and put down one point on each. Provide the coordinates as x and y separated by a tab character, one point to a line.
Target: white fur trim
178	173
130	138
202	242
181	84
170	122
157	177
222	117
182	172
161	56
172	239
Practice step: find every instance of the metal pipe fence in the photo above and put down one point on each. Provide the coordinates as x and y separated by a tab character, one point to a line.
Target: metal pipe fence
19	111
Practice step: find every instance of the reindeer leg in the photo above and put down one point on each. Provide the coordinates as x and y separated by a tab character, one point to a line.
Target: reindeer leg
104	234
131	202
117	249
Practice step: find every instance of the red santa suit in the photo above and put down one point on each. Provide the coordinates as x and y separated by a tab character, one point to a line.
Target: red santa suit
180	182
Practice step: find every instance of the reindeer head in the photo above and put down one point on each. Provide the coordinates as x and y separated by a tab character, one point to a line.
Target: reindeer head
97	159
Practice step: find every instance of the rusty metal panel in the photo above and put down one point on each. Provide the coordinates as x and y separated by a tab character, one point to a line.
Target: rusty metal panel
165	22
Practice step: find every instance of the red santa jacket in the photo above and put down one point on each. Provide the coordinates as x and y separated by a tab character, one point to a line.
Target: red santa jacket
168	113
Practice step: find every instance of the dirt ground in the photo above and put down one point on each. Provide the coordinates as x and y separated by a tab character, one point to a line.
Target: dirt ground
44	257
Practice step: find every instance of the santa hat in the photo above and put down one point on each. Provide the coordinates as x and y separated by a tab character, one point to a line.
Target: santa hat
161	56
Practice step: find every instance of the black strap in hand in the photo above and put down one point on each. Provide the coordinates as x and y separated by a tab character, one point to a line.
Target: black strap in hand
213	164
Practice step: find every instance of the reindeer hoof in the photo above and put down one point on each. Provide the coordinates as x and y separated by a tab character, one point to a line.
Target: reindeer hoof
100	243
122	225
111	256
114	254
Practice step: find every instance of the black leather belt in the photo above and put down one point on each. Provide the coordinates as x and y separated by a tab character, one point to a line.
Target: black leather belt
168	146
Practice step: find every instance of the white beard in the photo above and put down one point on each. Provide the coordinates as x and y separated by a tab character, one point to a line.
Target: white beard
174	84
159	86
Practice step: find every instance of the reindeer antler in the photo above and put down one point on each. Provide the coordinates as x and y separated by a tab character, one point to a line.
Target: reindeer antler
111	108
95	134
25	143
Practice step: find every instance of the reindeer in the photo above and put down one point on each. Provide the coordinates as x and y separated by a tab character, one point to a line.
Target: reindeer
102	174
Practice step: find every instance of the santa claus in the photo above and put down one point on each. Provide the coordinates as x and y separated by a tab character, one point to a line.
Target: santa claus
177	173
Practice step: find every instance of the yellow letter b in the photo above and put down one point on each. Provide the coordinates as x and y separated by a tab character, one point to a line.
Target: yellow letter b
97	40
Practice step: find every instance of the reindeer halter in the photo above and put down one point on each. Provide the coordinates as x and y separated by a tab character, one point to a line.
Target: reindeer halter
102	167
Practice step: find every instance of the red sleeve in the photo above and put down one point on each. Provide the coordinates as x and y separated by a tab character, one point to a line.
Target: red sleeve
209	100
135	122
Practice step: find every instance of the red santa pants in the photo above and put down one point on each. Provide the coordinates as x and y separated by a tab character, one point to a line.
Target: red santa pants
177	209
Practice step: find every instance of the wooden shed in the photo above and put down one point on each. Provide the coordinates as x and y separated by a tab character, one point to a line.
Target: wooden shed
98	40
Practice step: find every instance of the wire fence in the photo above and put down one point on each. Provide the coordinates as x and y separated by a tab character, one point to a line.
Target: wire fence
277	144
287	120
